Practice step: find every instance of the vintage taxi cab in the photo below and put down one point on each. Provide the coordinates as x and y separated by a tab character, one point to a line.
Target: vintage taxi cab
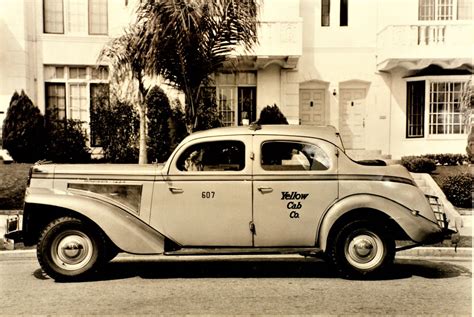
237	190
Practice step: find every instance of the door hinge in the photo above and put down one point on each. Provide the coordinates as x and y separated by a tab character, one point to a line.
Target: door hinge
252	228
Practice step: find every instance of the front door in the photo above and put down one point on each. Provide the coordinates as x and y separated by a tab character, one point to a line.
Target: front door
206	198
312	106
294	183
352	118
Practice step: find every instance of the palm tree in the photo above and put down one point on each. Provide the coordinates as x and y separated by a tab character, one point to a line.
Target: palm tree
186	41
127	65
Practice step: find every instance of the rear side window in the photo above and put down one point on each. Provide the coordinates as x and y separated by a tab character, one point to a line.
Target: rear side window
293	156
213	156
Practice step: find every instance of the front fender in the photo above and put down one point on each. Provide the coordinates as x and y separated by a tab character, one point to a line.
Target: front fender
417	228
125	230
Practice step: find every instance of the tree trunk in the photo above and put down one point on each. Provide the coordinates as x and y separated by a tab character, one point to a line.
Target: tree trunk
142	154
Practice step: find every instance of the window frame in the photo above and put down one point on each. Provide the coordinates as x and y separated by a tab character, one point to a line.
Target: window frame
178	157
86	20
428	81
44	18
435	8
325	13
68	82
295	141
234	86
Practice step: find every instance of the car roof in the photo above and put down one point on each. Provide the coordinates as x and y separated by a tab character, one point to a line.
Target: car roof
328	133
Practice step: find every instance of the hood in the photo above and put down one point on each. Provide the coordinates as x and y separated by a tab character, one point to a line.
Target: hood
86	171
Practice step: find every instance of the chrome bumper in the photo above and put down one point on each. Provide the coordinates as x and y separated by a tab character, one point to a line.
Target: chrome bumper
13	229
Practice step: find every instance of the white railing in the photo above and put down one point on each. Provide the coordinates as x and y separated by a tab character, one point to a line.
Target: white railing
431	39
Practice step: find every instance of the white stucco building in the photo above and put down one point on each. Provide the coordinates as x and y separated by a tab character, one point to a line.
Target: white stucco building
387	73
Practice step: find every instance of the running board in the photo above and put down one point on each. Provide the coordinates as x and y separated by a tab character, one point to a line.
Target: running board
242	251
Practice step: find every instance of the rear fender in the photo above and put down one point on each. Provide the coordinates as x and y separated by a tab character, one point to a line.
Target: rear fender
402	215
125	230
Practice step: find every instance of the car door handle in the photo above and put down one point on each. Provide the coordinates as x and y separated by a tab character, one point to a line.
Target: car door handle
176	190
264	190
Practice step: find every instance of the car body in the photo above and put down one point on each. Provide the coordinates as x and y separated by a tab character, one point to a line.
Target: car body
258	189
5	156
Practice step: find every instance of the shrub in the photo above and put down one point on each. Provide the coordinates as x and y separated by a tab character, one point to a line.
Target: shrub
178	129
447	159
458	189
418	164
66	142
159	112
272	115
117	128
208	115
23	130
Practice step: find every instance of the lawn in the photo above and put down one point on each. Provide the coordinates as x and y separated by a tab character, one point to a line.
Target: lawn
13	178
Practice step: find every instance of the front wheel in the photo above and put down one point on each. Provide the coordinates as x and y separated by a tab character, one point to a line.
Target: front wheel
362	249
70	249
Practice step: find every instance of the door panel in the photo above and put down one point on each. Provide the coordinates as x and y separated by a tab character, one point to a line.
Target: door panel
312	105
289	199
352	118
204	211
206	197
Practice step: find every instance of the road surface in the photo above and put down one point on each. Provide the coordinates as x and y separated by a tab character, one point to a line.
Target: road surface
236	285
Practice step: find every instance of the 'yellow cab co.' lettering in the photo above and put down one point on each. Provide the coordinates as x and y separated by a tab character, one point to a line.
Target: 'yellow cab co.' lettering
294	203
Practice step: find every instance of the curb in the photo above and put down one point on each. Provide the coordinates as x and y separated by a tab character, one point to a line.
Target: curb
420	252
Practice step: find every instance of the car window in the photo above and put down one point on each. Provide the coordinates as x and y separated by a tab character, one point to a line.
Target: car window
213	156
293	156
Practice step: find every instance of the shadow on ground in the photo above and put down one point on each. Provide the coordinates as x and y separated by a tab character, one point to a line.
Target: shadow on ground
261	268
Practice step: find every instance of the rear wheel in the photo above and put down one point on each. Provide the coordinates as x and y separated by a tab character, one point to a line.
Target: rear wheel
362	249
70	249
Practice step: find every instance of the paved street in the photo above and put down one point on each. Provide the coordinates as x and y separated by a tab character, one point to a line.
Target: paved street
236	285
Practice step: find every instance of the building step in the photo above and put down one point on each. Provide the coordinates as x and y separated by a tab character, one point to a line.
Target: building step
429	187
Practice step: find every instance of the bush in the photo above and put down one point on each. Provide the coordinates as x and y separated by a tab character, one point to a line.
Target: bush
418	164
159	112
117	129
178	129
23	130
458	189
272	115
447	159
66	142
208	115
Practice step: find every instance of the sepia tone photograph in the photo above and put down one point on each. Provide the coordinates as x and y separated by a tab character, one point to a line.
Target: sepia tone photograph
236	157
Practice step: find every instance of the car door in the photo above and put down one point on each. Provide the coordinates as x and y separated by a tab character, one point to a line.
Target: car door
294	182
206	197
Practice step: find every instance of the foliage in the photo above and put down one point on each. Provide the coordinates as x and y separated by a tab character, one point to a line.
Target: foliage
116	124
66	142
458	189
185	41
272	115
208	115
178	129
447	158
417	164
127	62
467	102
23	129
13	185
159	112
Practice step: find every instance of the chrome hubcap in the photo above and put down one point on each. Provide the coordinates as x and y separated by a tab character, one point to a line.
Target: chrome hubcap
364	251
72	250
